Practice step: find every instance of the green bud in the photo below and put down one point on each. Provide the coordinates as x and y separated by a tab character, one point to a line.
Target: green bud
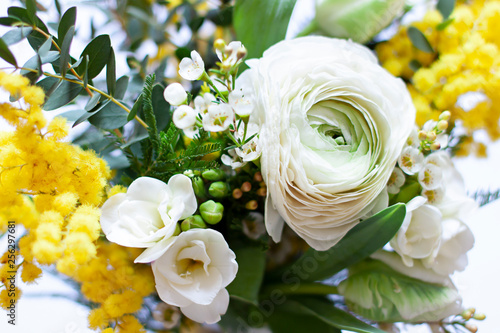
218	189
177	229
359	20
211	211
213	174
199	187
193	222
379	293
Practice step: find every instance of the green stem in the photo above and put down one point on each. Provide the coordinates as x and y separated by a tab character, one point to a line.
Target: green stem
208	80
301	289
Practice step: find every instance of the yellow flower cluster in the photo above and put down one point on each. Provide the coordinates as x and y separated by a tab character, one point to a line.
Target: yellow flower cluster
463	75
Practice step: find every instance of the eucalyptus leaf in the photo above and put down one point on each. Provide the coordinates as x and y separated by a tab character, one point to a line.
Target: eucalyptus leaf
31	10
92	103
62	95
361	241
252	21
6	55
9	21
441	26
109	117
135	108
35	61
98	53
67	21
251	265
16	35
65	48
35	64
111	73
45	47
445	7
121	87
419	40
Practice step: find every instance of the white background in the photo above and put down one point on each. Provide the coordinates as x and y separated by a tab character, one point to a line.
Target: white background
47	308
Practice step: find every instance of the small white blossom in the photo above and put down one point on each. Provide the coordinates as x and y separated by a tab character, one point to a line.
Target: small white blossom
430	177
184	117
434	196
175	94
218	118
241	103
442	138
232	54
413	140
192	68
201	103
219	85
411	160
232	160
396	180
191	132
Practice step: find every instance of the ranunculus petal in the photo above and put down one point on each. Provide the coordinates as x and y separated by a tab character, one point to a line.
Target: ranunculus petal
210	313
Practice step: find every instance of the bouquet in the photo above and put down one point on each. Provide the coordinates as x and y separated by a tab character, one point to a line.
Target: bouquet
238	180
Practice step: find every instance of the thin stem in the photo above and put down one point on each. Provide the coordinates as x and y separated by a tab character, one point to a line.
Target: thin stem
207	79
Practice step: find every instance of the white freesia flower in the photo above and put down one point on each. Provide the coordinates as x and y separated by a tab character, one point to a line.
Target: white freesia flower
184	117
218	118
146	216
193	273
333	123
420	234
192	68
175	94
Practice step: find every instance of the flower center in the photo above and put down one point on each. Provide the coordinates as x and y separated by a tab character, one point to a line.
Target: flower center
186	267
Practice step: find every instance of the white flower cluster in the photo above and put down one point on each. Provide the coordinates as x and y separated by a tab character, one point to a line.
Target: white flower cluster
217	114
192	268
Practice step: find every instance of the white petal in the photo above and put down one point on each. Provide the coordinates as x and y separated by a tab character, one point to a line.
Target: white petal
156	251
210	313
175	94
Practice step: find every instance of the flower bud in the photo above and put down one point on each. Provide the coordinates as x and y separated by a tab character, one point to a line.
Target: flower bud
471	327
445	115
199	187
218	189
435	146
193	222
246	187
213	174
211	211
237	193
252	205
257	176
241	53
359	20
177	230
479	316
261	192
442	125
422	135
431	136
175	94
219	44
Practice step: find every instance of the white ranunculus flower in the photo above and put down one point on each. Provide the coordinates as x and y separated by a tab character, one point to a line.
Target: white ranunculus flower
333	123
420	234
146	216
193	273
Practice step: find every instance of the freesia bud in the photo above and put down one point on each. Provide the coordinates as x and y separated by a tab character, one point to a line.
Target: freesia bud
192	222
213	174
218	189
211	211
199	187
175	94
359	20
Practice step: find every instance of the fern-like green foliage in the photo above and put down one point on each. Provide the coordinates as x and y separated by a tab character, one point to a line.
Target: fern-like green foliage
173	158
147	108
484	197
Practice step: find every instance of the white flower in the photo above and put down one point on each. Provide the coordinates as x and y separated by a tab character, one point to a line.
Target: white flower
184	117
231	51
175	94
233	160
218	118
146	216
442	138
201	103
168	315
396	180
193	273
430	176
241	103
411	160
420	234
333	123
251	150
192	68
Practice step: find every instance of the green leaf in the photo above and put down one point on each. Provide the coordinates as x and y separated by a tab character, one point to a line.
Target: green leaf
287	317
34	63
111	73
161	107
221	17
31	9
67	21
98	53
85	70
329	314
58	7
62	95
9	20
6	55
36	39
252	21
65	47
414	65
251	265
147	108
16	35
45	47
361	241
109	117
445	7
135	108
419	40
441	26
121	87
92	103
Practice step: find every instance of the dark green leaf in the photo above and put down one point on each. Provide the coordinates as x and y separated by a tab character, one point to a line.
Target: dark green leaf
67	21
16	35
109	117
414	65
65	48
182	52
85	70
9	21
62	95
445	7
20	13
6	55
287	318
92	103
111	73
147	108
137	106
58	7
36	39
161	108
365	238
98	53
252	19
419	40
121	87
329	314
31	9
441	26
221	17
251	265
